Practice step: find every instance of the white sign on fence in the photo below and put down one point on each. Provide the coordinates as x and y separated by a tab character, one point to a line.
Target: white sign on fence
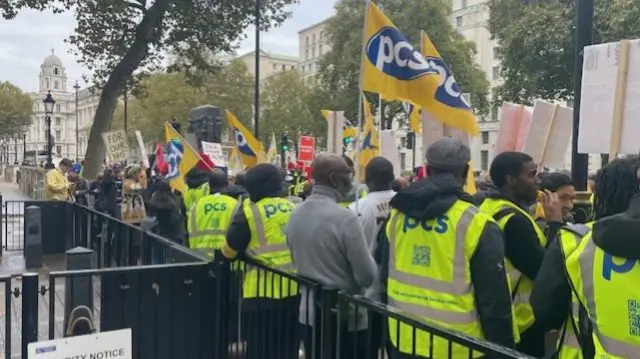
114	344
214	151
116	145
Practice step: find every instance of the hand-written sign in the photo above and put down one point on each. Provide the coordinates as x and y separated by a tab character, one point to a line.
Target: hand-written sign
113	344
116	145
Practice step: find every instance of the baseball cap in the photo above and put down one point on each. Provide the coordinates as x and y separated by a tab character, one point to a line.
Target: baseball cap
448	152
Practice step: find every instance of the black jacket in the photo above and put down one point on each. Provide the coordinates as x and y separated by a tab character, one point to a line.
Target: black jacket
169	221
434	196
551	297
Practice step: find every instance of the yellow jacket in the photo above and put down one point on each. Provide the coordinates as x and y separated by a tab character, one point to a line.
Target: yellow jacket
56	186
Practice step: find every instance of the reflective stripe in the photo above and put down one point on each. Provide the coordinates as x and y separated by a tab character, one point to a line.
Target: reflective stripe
459	285
440	315
570	338
264	246
611	345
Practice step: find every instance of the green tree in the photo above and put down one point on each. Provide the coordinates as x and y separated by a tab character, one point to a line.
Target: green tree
537	43
339	71
16	108
169	95
284	107
117	38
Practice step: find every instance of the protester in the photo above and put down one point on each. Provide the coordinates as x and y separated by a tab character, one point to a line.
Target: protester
328	245
437	210
514	174
270	302
165	208
562	185
80	187
57	186
614	236
399	183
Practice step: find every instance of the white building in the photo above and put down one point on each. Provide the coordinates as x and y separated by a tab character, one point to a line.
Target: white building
270	63
53	79
312	44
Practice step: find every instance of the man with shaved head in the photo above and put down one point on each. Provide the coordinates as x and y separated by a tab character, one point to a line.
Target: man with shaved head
327	244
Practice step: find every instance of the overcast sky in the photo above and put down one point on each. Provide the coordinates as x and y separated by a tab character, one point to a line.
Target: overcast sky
29	38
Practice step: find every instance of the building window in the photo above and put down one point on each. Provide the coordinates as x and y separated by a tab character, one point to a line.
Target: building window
59	150
485	137
46	83
306	54
58	135
403	160
313	42
284	67
319	50
321	35
275	67
55	70
494	113
458	21
55	85
313	52
58	108
307	40
58	121
403	143
484	160
495	71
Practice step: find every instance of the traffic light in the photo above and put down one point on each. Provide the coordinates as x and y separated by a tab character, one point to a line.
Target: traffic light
346	141
284	143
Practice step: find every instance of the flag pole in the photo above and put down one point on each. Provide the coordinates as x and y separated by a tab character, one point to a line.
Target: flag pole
360	101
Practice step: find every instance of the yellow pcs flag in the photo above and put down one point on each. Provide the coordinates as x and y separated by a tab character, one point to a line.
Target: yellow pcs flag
415	119
470	186
347	132
181	157
449	105
370	146
272	152
392	67
249	149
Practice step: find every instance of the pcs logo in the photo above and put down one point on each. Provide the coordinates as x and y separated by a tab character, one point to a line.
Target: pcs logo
391	53
241	144
174	152
448	92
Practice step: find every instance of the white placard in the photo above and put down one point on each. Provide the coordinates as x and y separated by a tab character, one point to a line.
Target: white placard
335	129
600	68
214	151
549	134
114	344
116	145
389	149
143	150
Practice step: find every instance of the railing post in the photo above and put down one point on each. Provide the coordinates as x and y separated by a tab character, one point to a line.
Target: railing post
33	237
30	298
2	209
78	290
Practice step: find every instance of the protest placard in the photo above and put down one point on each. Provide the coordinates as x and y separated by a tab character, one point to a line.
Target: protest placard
116	145
214	151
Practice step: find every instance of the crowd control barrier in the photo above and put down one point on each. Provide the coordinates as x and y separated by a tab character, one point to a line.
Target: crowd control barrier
180	304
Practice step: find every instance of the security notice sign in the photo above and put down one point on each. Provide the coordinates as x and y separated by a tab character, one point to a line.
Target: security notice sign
115	344
116	145
306	149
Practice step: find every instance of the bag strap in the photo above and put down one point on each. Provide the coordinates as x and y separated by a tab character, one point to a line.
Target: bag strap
504	212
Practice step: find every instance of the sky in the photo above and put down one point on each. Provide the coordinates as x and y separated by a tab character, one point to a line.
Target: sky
26	40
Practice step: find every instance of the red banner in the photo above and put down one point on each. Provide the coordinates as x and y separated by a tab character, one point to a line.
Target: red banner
306	150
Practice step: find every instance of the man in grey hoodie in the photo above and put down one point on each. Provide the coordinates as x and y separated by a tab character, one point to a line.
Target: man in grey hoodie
328	245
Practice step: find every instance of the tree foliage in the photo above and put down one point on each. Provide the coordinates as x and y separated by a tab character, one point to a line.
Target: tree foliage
340	68
16	108
537	43
169	95
286	105
115	38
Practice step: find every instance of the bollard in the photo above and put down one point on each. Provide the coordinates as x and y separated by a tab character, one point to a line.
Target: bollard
33	237
78	290
30	296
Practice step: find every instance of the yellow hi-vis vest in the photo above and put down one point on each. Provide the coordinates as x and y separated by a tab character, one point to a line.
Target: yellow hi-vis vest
521	286
209	220
609	290
439	291
267	219
568	345
192	195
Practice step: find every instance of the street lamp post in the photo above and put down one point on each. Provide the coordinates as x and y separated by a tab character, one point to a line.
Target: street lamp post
49	102
77	87
24	147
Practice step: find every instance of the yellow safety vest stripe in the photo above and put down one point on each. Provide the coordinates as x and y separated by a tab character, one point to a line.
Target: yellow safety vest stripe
586	255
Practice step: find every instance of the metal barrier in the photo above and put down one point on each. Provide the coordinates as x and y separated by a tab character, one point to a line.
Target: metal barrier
181	305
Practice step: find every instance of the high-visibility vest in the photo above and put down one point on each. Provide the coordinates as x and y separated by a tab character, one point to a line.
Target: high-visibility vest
192	195
267	219
209	220
363	194
608	288
568	345
439	291
521	286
